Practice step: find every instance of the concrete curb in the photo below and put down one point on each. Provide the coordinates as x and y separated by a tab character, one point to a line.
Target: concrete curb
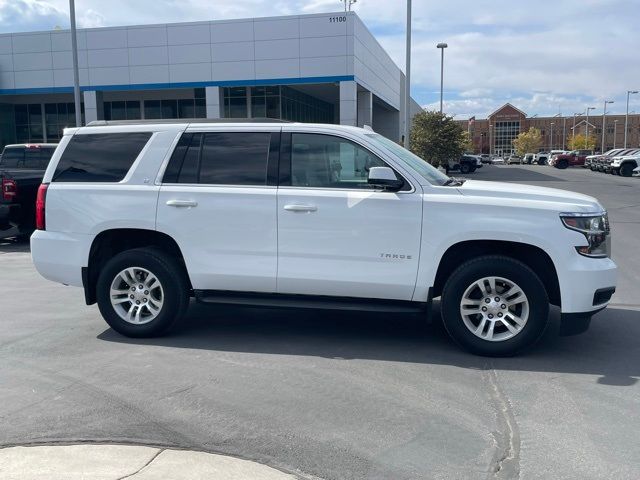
117	462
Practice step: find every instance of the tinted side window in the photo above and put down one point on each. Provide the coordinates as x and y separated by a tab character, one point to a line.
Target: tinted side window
234	158
101	157
183	165
330	162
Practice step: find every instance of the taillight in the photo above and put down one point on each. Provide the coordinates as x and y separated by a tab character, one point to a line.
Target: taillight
9	190
40	206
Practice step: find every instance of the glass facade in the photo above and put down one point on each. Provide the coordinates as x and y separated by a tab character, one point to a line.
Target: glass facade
275	102
505	134
29	121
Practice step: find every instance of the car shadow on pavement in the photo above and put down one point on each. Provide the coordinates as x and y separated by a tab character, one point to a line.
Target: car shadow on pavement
14	245
609	349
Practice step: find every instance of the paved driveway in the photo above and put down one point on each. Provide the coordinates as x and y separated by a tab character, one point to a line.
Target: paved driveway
335	395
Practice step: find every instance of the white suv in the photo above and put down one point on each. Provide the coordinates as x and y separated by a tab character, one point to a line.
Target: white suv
146	216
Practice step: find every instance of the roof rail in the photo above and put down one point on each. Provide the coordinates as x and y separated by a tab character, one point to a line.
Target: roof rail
98	123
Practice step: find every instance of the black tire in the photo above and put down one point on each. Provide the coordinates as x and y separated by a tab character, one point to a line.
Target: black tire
507	268
626	169
465	168
174	283
473	169
562	164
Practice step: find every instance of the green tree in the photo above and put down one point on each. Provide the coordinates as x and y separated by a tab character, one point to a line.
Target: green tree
528	142
580	142
437	138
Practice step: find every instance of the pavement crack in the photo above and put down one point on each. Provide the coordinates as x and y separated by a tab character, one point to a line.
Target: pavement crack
145	465
506	459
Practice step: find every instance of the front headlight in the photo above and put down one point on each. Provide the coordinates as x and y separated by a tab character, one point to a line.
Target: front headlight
595	228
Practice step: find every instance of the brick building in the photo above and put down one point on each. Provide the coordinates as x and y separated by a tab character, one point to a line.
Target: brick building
495	134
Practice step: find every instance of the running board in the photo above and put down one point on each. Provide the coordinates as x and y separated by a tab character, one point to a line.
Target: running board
278	300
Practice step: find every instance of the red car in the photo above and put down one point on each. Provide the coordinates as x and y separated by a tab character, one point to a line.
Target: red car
575	158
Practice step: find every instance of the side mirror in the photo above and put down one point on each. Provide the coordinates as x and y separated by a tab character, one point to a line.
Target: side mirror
384	177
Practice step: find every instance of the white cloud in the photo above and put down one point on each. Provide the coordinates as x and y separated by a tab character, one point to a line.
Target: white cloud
541	53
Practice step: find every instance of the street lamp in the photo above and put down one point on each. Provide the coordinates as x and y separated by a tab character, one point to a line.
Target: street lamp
441	46
604	119
551	138
615	132
74	54
407	88
587	127
626	117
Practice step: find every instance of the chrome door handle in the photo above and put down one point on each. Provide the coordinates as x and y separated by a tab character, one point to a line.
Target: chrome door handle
300	208
182	203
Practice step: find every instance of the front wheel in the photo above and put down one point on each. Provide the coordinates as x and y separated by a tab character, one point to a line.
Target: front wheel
562	164
142	292
495	306
626	170
465	168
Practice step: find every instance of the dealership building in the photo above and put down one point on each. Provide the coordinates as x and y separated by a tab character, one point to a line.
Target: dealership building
325	68
495	134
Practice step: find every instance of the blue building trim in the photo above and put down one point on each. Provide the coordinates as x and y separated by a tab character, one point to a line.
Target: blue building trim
163	86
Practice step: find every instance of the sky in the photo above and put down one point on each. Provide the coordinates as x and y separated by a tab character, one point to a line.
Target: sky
543	56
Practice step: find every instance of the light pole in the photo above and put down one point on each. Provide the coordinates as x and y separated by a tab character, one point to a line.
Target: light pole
626	117
551	138
587	127
441	46
76	74
407	88
604	119
615	132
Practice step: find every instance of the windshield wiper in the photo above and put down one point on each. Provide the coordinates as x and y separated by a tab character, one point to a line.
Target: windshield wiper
454	181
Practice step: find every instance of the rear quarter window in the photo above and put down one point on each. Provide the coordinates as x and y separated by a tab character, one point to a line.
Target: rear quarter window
99	157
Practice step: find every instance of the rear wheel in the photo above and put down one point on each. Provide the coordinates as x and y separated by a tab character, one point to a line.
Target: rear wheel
142	292
626	169
495	306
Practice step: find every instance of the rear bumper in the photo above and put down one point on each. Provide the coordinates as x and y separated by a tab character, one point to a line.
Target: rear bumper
59	257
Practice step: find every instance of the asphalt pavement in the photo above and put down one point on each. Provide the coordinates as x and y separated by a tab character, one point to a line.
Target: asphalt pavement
335	395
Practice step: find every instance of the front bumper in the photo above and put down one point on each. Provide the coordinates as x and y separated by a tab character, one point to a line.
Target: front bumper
581	280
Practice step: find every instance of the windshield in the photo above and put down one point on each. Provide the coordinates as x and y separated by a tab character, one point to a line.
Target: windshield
428	172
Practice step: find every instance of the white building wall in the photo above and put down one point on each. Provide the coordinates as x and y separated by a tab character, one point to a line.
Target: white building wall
246	50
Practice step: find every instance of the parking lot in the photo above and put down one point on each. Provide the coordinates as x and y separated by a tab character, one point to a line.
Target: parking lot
336	395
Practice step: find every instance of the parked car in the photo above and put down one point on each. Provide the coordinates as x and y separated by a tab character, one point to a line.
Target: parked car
469	163
636	172
541	158
514	159
592	160
144	216
485	158
573	159
497	161
21	169
625	165
528	158
607	161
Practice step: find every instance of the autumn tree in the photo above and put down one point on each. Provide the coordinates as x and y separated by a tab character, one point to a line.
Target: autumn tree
437	138
580	142
528	142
